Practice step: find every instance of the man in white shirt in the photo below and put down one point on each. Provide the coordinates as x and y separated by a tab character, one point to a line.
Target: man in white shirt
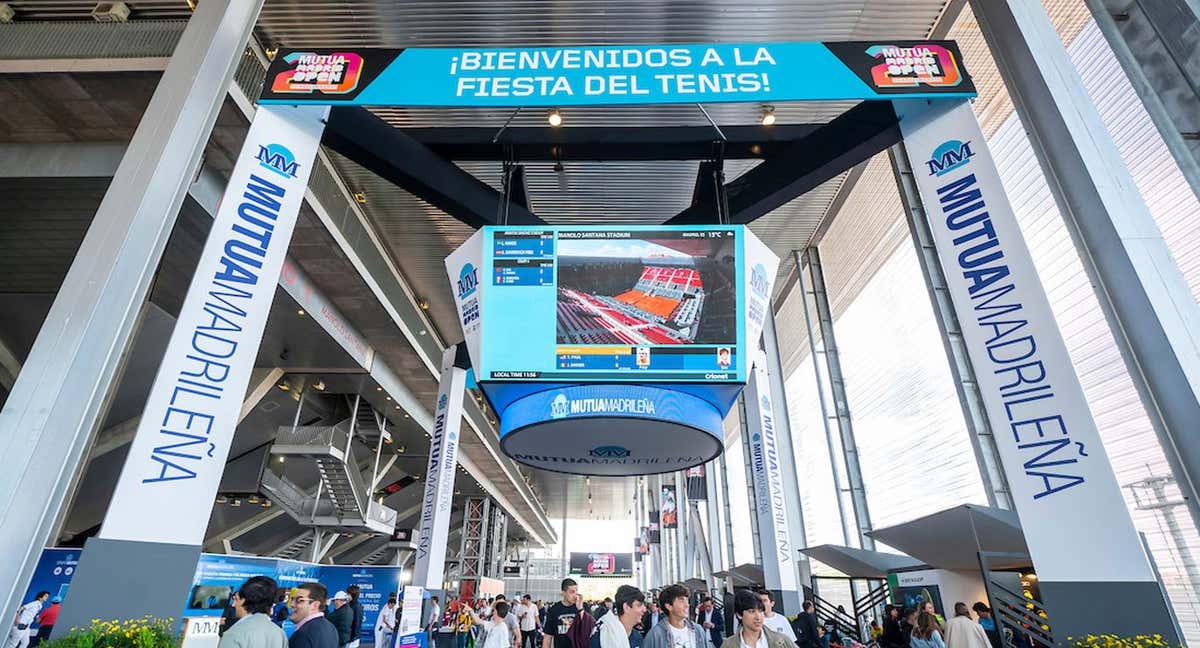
18	635
434	621
527	614
772	621
385	624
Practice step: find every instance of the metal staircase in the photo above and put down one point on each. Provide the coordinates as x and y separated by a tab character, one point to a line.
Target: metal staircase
343	498
295	549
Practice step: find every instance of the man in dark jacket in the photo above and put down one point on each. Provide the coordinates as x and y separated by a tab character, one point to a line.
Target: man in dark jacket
710	620
893	635
342	618
357	623
807	635
313	630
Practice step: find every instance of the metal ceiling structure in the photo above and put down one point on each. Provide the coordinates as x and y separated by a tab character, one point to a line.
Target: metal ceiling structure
416	235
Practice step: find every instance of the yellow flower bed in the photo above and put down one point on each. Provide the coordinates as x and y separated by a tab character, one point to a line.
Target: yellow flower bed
1116	641
146	632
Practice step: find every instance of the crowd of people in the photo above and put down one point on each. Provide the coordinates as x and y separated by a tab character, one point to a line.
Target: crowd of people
668	618
923	627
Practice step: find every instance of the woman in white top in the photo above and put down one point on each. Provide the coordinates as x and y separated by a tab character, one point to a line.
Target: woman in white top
963	632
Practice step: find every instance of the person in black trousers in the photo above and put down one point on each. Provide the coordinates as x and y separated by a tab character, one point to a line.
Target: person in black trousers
313	630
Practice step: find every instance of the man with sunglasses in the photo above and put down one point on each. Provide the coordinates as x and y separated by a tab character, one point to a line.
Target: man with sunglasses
313	630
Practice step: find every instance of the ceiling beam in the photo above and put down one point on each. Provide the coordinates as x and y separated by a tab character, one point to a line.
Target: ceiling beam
359	135
851	138
606	143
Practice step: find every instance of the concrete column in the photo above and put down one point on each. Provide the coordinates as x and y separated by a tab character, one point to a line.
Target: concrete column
1158	46
861	514
787	452
62	392
1153	316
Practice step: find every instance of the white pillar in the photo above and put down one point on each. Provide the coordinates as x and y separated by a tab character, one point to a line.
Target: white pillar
59	398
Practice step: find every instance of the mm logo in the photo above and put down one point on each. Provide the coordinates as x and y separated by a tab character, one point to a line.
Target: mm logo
276	158
766	403
442	402
609	452
758	280
468	281
558	407
949	156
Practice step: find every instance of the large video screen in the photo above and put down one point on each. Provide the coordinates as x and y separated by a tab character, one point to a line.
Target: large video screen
601	303
601	564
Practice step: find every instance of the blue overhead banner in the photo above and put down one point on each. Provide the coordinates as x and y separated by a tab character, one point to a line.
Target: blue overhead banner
609	75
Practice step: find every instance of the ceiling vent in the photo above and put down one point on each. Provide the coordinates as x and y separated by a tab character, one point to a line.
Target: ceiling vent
111	12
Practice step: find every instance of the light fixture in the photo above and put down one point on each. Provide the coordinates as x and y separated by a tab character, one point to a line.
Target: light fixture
423	304
221	499
554	117
300	312
281	459
253	499
379	389
283	385
768	116
400	449
235	502
360	197
319	385
397	407
388	397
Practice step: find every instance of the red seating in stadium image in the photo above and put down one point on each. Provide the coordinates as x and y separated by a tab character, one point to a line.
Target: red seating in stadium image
663	307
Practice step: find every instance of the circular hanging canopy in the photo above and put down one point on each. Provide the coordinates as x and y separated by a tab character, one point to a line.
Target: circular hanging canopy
611	430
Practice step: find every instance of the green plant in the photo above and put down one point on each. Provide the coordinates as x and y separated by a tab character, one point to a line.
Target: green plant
146	632
1117	641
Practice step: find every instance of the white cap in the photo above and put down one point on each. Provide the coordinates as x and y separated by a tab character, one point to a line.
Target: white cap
341	596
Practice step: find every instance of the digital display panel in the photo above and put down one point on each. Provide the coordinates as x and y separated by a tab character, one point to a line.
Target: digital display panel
650	303
601	564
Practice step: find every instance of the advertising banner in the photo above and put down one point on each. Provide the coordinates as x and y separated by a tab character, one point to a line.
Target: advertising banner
464	272
778	553
410	612
644	541
375	585
601	564
761	267
697	483
1051	450
652	531
53	573
626	74
178	454
637	549
669	508
434	526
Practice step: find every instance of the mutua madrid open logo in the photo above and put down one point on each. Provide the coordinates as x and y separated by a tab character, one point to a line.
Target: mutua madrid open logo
442	402
559	407
609	452
277	159
947	157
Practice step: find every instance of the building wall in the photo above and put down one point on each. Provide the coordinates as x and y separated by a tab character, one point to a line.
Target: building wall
915	453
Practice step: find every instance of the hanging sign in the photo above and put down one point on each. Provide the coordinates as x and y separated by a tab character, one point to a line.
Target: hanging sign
178	454
697	483
778	567
670	508
617	74
1062	483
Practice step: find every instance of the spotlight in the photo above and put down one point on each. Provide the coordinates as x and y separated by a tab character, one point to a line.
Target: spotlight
282	459
360	197
554	117
319	385
283	385
423	304
768	116
300	312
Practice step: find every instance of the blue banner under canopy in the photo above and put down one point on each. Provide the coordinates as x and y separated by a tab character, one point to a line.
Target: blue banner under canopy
618	75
